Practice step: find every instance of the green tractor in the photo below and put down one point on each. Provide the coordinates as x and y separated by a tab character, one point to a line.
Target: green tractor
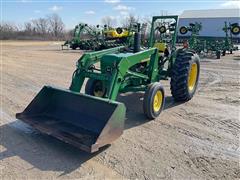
95	118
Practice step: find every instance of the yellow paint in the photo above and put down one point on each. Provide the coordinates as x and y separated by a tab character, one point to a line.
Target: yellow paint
161	46
113	33
235	29
192	76
157	101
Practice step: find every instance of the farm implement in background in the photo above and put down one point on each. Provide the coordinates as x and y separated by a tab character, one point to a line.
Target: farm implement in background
95	38
206	45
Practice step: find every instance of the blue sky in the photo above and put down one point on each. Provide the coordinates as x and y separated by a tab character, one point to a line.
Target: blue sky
92	11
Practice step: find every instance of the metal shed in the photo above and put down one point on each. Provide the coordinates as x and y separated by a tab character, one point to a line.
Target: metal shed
212	21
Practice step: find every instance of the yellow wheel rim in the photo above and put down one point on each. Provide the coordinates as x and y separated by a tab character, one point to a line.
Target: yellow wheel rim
183	30
192	76
98	90
157	101
98	93
235	29
162	29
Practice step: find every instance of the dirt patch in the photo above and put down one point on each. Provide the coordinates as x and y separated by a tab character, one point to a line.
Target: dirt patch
198	139
236	57
30	43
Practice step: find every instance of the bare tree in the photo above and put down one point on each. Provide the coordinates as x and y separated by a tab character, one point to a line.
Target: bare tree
47	28
56	25
147	20
41	26
6	26
129	20
28	28
8	30
109	21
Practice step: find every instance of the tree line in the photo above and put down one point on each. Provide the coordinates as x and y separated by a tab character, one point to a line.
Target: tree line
50	27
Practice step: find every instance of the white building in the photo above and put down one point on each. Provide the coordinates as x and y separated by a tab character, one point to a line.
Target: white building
212	21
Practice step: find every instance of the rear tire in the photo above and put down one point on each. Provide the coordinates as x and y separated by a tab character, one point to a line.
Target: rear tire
95	88
185	75
154	99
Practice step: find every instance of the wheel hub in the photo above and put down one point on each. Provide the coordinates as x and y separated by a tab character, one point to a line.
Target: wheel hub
192	76
157	101
99	90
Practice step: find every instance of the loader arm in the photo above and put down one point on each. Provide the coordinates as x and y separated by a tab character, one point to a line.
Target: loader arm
84	63
122	70
115	69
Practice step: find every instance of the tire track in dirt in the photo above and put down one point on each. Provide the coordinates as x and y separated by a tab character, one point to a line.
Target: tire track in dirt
200	143
212	78
96	169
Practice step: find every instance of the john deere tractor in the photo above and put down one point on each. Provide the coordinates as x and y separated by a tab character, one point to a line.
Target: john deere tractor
95	118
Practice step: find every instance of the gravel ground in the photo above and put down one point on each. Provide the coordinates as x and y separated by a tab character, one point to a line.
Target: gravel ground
195	140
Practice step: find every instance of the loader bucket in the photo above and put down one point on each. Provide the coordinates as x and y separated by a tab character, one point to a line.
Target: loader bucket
81	120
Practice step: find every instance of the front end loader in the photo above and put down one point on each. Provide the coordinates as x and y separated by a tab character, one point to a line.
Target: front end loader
95	118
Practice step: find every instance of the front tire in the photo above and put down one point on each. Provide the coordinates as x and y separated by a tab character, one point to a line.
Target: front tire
185	75
95	88
154	100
